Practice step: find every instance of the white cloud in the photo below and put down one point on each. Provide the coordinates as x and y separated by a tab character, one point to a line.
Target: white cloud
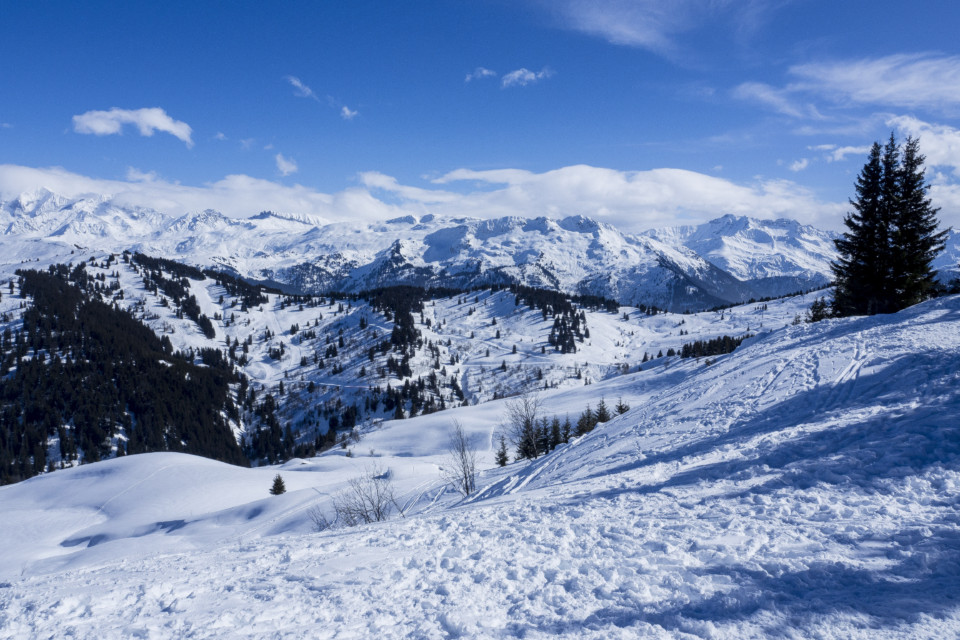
901	80
939	143
799	165
478	73
522	77
6	125
135	175
285	166
631	200
649	24
247	143
102	123
382	182
235	195
654	24
840	153
220	136
301	90
780	100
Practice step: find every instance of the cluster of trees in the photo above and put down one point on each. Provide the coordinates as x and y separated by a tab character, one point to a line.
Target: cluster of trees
400	304
533	434
892	235
84	373
567	329
711	347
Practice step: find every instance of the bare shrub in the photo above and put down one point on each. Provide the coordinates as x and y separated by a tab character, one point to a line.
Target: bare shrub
319	519
460	465
367	498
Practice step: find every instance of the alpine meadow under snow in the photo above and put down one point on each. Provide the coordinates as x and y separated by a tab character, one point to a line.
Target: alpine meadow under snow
803	486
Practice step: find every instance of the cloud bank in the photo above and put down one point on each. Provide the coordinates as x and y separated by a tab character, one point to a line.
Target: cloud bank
631	200
147	121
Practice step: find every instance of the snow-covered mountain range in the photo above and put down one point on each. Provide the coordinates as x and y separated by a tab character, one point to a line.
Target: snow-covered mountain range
728	260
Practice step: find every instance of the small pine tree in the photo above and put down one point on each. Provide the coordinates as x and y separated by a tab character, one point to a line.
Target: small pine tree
602	413
503	457
556	433
819	310
586	422
278	486
622	407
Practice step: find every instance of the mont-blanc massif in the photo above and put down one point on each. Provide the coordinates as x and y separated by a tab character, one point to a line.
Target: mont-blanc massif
571	319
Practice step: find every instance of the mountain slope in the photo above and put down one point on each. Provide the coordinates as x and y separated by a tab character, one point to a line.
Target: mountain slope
797	487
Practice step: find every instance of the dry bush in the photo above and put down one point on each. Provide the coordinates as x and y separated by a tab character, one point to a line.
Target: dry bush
460	468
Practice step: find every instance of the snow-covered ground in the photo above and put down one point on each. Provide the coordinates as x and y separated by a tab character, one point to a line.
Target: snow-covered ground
805	486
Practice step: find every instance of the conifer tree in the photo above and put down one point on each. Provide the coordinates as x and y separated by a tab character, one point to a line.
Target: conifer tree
602	413
855	271
622	407
886	255
278	486
502	456
916	240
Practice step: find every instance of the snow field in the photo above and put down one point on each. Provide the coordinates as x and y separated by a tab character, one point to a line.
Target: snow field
804	486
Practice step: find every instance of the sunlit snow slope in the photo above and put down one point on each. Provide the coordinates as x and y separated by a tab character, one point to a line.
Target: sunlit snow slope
804	486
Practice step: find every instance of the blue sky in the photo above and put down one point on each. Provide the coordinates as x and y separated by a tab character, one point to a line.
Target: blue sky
639	113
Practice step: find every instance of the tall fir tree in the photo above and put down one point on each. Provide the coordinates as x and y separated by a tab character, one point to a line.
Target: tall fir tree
857	286
916	240
892	235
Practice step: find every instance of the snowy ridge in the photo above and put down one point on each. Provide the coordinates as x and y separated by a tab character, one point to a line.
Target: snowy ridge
803	486
770	254
726	261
